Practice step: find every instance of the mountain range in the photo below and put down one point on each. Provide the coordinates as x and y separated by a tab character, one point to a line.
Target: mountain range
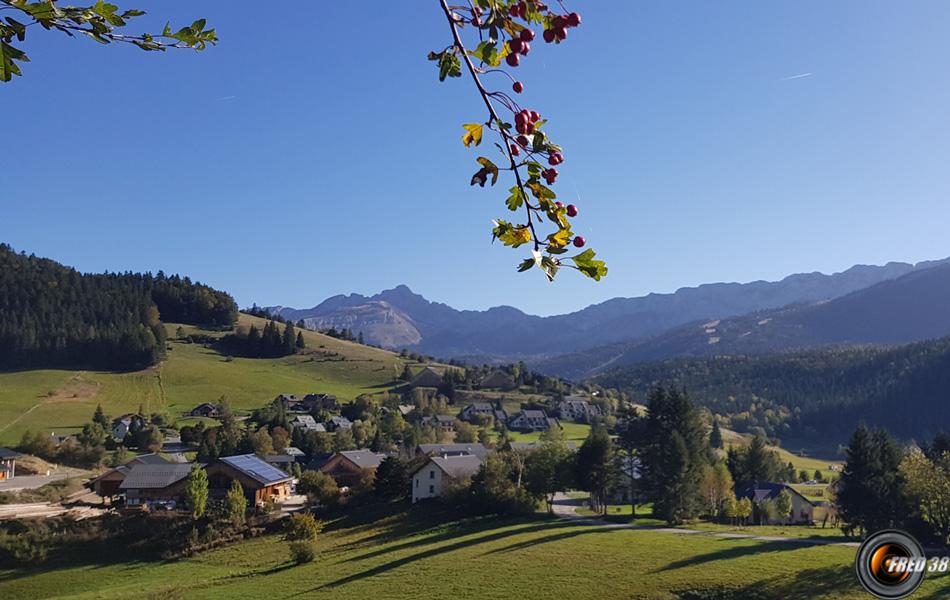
864	304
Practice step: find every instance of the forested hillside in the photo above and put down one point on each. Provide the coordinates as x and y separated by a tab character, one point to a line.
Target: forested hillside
812	394
54	316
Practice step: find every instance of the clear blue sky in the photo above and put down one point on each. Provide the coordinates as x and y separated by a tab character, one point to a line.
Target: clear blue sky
316	153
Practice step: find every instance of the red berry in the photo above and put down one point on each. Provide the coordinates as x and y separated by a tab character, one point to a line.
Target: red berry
518	87
529	128
579	241
561	33
521	127
571	210
514	150
516	46
512	60
559	204
514	10
535	117
555	159
560	22
525	48
523	141
526	35
548	35
573	19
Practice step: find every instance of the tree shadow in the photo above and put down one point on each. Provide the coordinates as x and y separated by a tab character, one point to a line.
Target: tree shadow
552	538
801	585
431	552
732	552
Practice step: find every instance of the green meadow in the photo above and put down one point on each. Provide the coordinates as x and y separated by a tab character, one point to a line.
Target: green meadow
412	557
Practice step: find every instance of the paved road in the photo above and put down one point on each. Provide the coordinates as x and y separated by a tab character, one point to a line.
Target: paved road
29	482
566	508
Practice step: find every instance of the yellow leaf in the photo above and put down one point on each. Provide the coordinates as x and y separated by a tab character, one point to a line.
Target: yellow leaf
473	133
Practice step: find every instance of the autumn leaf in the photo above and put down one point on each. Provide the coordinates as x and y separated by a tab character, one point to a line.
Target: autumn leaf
473	134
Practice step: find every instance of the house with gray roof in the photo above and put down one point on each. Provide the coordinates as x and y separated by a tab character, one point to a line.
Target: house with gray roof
532	420
307	423
431	480
759	492
7	463
347	467
452	450
155	483
483	408
336	423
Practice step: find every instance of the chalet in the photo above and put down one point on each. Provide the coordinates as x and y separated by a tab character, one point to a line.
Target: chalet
337	423
7	463
532	420
290	402
428	377
307	423
445	423
151	484
452	450
318	460
260	481
498	380
803	510
474	409
206	409
297	453
577	408
431	479
108	484
313	402
126	423
347	467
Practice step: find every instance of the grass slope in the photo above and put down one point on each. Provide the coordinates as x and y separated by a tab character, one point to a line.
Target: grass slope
61	401
484	559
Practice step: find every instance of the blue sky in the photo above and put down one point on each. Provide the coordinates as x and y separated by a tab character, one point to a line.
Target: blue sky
316	153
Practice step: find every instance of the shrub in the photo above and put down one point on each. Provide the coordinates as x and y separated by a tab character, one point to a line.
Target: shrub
301	552
301	526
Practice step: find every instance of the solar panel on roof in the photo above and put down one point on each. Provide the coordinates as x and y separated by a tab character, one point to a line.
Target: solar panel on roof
256	468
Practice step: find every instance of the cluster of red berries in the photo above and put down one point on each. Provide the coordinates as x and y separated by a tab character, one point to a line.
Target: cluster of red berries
519	46
561	24
525	120
550	175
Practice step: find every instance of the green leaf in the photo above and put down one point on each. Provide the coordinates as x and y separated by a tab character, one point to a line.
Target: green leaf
516	199
473	133
595	269
526	265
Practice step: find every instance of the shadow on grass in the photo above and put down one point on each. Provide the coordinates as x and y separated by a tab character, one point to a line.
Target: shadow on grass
557	537
731	552
461	544
801	585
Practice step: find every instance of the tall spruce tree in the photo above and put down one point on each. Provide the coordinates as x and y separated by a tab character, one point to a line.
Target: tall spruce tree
595	467
870	494
673	455
715	436
289	339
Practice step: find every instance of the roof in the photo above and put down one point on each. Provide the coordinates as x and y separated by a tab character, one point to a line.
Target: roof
758	491
152	458
319	460
485	406
459	466
497	379
256	469
306	421
292	451
155	476
279	459
428	377
534	414
7	453
341	421
364	458
448	449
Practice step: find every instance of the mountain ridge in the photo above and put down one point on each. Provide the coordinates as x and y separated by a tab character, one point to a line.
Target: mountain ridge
401	318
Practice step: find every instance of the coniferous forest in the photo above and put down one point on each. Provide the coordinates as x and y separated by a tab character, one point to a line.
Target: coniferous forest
55	316
820	393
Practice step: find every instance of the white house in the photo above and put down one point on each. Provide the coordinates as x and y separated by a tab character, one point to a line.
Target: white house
577	408
430	480
532	420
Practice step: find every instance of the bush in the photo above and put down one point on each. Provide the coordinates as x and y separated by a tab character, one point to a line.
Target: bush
301	526
301	552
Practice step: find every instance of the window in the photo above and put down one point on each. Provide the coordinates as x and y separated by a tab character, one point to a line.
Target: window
431	489
432	474
417	483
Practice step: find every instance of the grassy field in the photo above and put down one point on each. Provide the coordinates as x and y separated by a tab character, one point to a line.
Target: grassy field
61	401
397	558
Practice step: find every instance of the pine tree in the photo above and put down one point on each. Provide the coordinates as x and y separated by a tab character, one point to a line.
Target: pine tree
715	436
301	343
289	339
595	467
673	455
870	495
99	417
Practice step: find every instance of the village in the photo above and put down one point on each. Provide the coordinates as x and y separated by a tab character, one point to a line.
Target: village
424	443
